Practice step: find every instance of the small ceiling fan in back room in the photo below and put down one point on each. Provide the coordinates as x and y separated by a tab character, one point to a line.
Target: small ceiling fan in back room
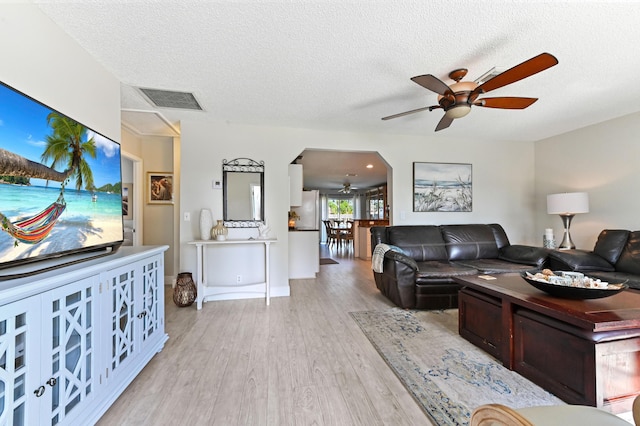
346	188
456	100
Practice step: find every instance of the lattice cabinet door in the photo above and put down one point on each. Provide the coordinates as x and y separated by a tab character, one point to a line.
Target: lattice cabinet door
20	326
122	284
70	367
152	313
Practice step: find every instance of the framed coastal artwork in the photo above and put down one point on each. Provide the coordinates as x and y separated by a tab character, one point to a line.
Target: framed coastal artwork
159	188
442	187
127	201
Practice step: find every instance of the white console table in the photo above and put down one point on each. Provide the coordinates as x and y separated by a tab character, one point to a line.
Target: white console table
205	291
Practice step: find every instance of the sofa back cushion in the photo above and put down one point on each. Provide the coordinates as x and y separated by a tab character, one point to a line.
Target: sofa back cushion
422	243
465	242
499	235
610	244
629	260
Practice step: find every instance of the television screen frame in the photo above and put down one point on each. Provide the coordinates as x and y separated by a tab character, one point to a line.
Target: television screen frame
40	231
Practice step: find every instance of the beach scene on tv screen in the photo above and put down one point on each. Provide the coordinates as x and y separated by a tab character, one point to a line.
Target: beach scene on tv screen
60	182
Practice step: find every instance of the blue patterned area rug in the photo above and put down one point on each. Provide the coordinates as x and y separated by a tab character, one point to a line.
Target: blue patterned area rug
448	376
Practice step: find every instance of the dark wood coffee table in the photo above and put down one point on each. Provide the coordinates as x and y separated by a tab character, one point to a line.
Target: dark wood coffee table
583	351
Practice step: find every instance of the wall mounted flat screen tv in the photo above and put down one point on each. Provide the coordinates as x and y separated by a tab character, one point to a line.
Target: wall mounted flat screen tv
60	188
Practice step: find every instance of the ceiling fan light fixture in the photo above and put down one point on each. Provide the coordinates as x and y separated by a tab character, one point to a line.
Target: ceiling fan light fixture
458	111
346	188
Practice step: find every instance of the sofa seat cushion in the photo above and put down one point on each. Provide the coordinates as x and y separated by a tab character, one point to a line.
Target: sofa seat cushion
632	280
436	269
495	266
529	255
579	260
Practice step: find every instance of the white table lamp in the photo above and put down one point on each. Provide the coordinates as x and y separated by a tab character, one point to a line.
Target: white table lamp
567	205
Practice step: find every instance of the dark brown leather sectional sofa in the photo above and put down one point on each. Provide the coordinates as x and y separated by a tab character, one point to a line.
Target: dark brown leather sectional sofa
418	272
615	258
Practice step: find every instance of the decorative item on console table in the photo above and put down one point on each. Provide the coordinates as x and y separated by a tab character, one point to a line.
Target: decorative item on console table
263	231
219	232
185	292
206	223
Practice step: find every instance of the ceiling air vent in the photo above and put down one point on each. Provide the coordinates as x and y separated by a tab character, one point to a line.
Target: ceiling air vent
489	74
171	99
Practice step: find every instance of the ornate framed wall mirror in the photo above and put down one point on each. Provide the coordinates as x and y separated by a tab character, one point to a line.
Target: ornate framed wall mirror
243	193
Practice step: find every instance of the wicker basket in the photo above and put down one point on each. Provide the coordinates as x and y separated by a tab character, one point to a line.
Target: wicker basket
185	292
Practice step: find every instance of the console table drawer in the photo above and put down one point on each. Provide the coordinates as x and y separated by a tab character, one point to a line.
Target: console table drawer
480	321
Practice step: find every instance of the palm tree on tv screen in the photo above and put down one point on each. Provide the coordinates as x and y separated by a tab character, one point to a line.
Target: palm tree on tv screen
66	148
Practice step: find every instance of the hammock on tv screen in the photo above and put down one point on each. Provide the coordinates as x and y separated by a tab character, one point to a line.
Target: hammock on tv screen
36	228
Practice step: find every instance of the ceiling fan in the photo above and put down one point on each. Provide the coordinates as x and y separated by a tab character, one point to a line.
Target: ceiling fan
456	100
346	188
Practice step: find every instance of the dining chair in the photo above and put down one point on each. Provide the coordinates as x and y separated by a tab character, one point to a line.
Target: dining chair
346	234
332	233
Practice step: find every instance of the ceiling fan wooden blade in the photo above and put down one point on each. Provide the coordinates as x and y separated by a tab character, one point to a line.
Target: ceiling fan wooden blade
413	111
432	83
445	122
526	69
505	102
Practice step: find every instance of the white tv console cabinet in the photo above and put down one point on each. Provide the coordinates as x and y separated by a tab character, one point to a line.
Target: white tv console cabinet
72	339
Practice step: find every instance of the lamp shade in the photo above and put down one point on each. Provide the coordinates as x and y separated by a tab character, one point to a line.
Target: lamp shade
568	203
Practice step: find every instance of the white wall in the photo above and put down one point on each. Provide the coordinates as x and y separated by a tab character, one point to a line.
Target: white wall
503	183
39	59
601	160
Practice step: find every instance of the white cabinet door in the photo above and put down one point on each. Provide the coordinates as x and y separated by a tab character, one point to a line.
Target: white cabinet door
121	311
68	345
20	325
151	310
136	310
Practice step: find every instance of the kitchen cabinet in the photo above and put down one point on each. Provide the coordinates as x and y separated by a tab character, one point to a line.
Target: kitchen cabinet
304	254
295	185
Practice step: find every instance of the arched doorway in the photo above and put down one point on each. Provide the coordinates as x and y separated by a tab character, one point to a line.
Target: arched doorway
352	186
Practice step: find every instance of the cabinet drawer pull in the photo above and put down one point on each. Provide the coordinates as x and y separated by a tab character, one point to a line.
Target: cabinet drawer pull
52	381
40	391
142	314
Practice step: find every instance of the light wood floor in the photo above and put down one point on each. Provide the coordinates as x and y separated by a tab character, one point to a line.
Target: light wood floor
300	361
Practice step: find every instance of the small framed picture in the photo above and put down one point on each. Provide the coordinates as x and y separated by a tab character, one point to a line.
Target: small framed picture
159	188
127	201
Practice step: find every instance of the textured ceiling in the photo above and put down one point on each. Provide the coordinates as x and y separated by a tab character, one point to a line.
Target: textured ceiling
342	65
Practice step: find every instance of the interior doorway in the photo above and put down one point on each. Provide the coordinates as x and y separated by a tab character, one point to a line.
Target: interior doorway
353	186
132	179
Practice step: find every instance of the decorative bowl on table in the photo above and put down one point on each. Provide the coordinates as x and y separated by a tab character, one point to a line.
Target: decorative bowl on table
571	285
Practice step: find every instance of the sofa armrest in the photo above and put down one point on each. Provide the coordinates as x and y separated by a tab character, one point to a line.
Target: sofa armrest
397	256
528	255
578	260
398	279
